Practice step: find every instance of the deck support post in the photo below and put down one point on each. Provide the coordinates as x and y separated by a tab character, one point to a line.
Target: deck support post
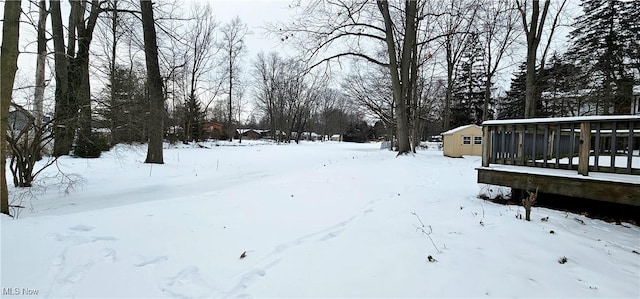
585	148
486	145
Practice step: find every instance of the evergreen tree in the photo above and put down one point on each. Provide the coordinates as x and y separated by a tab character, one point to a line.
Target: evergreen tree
128	108
468	92
563	88
193	118
606	42
512	105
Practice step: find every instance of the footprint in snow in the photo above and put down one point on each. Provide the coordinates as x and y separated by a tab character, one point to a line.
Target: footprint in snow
102	238
332	235
109	255
78	273
154	260
81	228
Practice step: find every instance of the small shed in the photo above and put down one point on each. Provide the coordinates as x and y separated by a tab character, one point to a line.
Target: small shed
464	140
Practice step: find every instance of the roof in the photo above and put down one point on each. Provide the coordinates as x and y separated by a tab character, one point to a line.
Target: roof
458	129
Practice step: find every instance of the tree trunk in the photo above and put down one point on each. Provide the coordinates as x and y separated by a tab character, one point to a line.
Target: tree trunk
449	93
397	80
38	96
86	146
530	96
487	99
154	85
112	71
8	67
231	132
533	33
64	126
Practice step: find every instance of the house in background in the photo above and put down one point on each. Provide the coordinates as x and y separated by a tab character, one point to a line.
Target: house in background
635	101
212	130
463	141
20	119
249	134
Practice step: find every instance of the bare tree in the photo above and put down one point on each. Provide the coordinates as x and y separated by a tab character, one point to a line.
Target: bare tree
402	72
199	58
38	96
154	84
497	22
370	89
64	125
455	26
232	45
8	67
534	27
27	137
73	92
286	93
266	71
357	29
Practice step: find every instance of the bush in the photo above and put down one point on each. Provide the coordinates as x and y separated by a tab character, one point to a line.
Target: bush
92	147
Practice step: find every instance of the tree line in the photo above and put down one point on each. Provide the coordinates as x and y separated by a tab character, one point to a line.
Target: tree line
415	67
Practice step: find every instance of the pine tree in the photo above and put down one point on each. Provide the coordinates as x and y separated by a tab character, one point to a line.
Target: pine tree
606	42
512	105
127	108
468	93
563	86
193	118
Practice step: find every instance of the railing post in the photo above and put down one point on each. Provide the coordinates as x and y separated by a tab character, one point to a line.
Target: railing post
486	146
585	148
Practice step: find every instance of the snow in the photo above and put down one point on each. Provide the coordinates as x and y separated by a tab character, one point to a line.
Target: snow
565	173
458	129
318	219
604	161
561	119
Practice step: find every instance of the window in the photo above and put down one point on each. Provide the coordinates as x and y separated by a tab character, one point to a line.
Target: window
477	140
466	139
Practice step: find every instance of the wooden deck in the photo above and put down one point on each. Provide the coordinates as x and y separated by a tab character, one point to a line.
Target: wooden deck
588	157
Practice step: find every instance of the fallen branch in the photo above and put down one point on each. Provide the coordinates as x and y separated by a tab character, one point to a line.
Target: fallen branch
422	229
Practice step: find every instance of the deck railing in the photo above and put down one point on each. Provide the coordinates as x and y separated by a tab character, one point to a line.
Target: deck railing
609	144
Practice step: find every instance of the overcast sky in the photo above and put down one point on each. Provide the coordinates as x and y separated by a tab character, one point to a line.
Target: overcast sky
256	13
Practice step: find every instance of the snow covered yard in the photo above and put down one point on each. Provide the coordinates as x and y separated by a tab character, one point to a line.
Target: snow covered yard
316	220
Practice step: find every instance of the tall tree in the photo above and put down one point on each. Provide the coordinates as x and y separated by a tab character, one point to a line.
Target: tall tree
126	106
534	27
73	96
154	85
232	44
563	89
64	126
38	97
455	26
401	80
8	66
383	34
512	104
468	93
201	48
606	41
497	23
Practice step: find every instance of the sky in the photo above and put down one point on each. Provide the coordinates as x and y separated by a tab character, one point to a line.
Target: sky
255	13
